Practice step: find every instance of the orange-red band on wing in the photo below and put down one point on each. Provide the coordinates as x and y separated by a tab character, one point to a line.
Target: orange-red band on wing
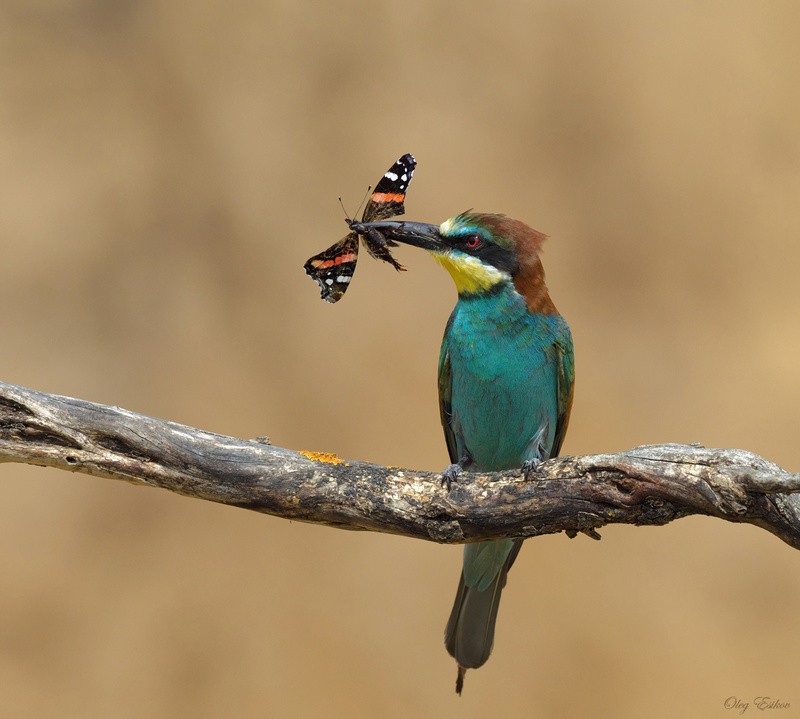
388	197
325	264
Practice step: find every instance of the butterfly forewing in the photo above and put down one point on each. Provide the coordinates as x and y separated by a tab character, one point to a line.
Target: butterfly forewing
390	193
333	269
387	200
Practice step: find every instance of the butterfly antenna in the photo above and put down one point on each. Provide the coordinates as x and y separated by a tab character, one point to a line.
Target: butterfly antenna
346	214
363	199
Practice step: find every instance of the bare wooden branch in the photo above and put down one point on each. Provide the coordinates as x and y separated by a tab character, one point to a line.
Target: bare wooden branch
650	485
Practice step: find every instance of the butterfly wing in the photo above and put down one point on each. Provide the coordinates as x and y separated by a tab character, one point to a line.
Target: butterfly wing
390	193
333	269
378	247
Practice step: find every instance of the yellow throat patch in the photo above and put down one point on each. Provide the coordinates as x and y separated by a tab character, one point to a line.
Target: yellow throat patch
469	273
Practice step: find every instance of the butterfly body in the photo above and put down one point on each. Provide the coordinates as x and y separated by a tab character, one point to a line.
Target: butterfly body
333	269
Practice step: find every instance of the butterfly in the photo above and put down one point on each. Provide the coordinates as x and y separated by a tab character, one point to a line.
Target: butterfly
333	269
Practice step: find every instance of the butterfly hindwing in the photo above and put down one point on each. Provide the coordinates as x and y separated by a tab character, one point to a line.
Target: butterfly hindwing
378	247
333	269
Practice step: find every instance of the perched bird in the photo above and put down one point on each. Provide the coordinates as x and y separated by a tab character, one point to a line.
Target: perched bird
506	374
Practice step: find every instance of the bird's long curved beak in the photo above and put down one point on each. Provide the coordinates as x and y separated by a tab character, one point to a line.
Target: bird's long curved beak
418	234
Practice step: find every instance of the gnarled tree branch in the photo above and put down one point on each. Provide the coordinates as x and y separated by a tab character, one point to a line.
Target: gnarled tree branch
652	485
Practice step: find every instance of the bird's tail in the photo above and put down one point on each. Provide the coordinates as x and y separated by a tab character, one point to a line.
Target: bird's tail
469	634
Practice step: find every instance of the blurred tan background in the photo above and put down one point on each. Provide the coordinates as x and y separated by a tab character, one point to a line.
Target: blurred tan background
167	167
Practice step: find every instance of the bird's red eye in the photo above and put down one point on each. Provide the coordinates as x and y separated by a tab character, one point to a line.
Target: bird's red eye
473	242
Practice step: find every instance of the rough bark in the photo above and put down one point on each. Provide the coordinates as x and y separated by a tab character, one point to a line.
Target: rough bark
649	485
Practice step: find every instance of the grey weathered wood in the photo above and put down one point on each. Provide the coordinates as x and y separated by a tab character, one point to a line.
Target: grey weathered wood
650	485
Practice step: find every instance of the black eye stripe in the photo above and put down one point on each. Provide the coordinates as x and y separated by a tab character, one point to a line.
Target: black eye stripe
488	252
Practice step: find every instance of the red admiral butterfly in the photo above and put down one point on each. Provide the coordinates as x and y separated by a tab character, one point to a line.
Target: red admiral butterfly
333	269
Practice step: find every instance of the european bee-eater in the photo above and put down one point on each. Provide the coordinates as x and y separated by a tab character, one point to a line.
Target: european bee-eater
506	374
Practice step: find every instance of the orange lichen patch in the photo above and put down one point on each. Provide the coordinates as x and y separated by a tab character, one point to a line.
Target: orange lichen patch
326	457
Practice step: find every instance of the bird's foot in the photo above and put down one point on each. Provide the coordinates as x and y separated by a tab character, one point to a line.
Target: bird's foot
540	452
452	471
450	475
529	466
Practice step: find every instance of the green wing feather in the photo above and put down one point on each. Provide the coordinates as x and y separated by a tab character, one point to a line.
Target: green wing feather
566	386
446	397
